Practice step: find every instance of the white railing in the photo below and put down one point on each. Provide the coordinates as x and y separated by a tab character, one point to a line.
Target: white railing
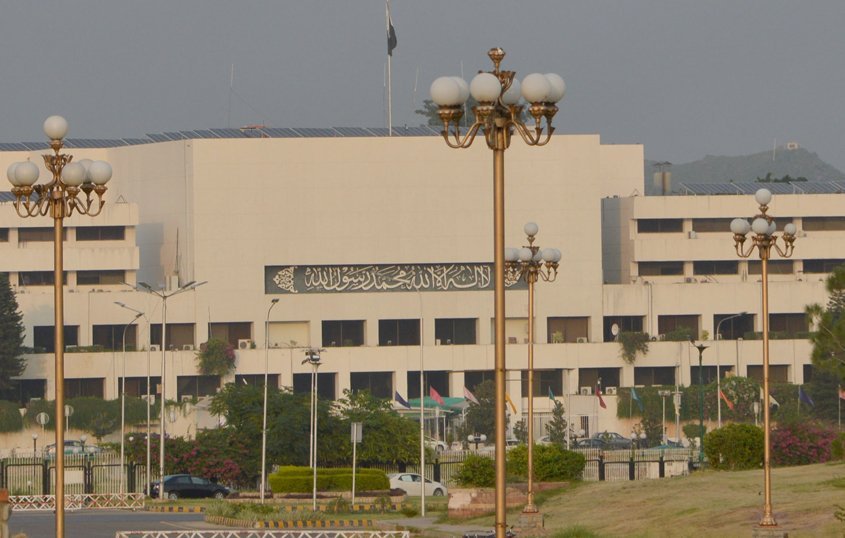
78	501
262	534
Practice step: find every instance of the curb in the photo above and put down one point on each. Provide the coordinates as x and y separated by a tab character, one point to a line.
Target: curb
190	509
289	524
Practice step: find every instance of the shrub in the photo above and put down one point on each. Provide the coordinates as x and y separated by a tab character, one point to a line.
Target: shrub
216	357
551	463
10	417
837	448
477	471
291	479
801	443
734	447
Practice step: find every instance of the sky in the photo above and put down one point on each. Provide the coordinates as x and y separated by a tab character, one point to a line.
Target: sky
685	78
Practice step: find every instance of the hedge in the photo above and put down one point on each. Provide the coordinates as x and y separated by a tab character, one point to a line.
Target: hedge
10	417
291	479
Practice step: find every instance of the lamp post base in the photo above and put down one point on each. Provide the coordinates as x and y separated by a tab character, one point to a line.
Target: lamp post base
530	520
530	508
769	532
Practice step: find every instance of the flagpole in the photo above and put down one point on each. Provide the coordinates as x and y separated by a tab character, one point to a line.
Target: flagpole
422	408
389	81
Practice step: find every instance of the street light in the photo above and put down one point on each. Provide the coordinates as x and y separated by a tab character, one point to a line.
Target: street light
498	114
719	367
34	444
763	240
123	406
264	420
531	264
149	456
312	357
663	394
164	296
69	190
700	348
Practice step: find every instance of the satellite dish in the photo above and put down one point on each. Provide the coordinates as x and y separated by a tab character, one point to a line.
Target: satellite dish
614	329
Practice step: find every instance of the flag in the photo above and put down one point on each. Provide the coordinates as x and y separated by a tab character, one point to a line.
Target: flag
636	398
401	401
804	397
391	33
841	393
772	400
470	396
729	403
601	400
436	396
552	395
510	403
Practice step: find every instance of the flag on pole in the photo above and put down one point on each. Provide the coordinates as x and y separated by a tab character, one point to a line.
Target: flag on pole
601	400
841	393
470	396
401	401
510	403
804	397
391	33
551	395
436	396
636	398
729	403
772	400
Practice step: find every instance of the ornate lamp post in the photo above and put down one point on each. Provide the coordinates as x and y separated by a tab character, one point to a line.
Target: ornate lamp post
312	357
532	264
273	303
123	407
497	115
764	239
700	348
70	190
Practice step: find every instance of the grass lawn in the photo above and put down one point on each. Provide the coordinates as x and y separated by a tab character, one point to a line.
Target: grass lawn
708	503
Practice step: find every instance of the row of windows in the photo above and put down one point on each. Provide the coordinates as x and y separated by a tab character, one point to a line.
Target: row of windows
723	225
83	278
731	267
88	233
729	326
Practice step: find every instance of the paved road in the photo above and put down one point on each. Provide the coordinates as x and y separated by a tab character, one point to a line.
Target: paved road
101	523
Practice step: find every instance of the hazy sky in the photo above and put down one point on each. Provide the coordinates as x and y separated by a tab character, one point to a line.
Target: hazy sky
686	78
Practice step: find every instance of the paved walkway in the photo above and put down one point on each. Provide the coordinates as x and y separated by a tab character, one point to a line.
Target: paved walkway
429	526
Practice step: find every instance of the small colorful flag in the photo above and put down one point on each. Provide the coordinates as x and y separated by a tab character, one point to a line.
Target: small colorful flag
601	400
551	395
772	400
436	396
804	397
510	402
636	398
470	396
729	403
401	401
841	393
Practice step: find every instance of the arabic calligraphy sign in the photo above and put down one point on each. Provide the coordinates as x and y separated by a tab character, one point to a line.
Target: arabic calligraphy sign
381	278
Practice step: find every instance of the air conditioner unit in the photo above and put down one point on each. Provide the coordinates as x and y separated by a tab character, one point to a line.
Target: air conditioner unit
582	340
610	391
661	337
155	347
692	235
690	280
244	343
188	347
187	398
586	391
152	398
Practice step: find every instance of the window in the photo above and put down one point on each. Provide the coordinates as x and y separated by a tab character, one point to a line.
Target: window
325	384
715	267
545	382
286	334
823	224
567	329
178	335
38	278
26	235
660	225
808	373
473	378
629	324
44	341
682	327
399	332
137	386
98	278
84	387
455	331
232	332
110	337
778	373
4	235
380	384
101	233
194	386
654	375
708	374
711	225
591	377
660	268
343	333
23	390
822	266
257	380
789	325
438	380
776	267
516	330
736	327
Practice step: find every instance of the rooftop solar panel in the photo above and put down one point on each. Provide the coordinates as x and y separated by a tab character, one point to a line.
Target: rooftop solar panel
172	135
205	133
420	130
316	132
189	134
228	133
35	146
378	131
156	137
136	141
6	196
353	131
12	146
281	132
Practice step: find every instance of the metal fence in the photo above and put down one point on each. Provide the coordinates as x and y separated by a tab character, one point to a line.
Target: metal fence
263	534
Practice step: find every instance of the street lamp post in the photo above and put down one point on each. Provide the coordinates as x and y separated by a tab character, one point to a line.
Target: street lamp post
123	408
763	240
719	367
700	348
164	296
273	303
663	394
531	264
497	115
312	357
70	190
34	444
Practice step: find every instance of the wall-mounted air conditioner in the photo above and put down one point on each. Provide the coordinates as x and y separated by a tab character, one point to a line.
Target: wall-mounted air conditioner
582	340
586	391
692	235
188	347
610	391
152	398
187	398
244	343
155	347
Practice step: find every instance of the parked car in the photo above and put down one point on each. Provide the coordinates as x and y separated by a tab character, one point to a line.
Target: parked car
73	446
184	486
411	484
435	444
613	440
590	442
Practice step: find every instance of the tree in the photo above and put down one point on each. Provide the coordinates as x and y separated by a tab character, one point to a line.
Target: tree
520	430
481	416
387	437
829	340
12	362
556	428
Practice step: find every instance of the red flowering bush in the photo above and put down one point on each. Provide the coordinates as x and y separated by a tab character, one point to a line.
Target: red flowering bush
801	443
216	357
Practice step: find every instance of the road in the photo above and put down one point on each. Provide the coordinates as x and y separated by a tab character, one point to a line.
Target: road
101	523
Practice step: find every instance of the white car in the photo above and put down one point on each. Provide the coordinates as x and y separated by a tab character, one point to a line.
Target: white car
410	483
435	444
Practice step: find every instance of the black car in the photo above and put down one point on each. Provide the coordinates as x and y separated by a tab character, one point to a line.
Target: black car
184	486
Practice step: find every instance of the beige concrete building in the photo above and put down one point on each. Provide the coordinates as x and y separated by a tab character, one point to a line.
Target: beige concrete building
380	251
